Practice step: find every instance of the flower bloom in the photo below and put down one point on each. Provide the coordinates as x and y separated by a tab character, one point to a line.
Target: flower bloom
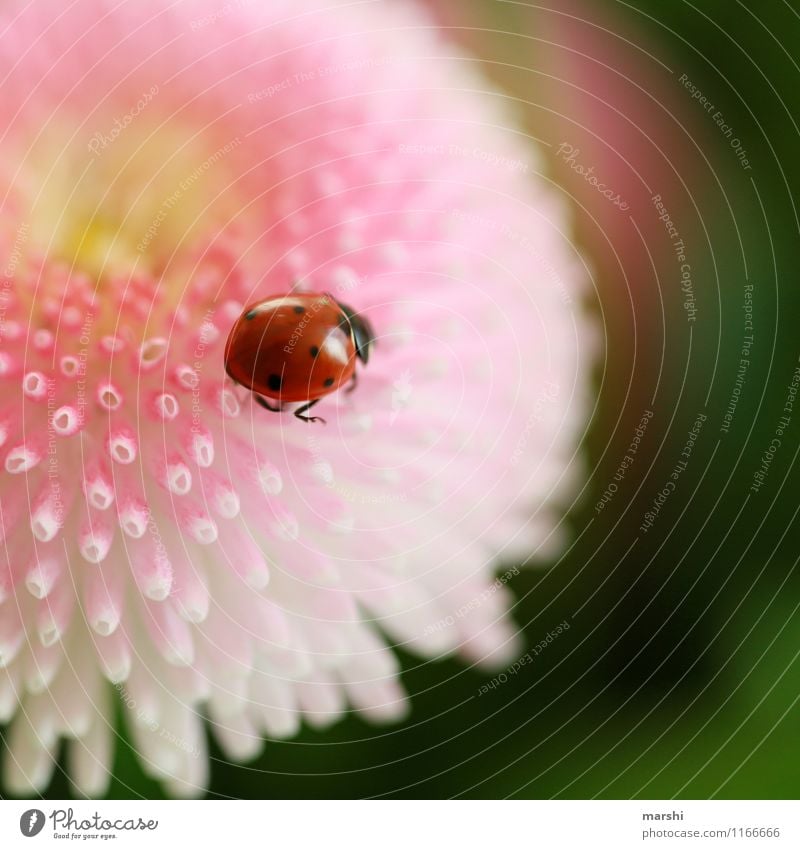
166	541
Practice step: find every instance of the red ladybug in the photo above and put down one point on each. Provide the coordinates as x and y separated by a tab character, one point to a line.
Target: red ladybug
299	347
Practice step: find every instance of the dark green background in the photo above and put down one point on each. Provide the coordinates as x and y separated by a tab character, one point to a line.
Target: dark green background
679	675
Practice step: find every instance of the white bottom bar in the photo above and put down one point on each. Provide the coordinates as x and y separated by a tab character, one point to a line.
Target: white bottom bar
402	824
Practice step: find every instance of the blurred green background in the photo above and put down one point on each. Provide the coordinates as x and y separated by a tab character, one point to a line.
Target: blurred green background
679	675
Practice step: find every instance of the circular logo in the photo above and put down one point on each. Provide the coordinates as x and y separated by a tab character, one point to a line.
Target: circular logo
31	822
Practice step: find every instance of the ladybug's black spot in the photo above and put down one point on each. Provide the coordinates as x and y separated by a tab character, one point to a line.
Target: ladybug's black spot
274	382
299	310
314	350
329	381
251	314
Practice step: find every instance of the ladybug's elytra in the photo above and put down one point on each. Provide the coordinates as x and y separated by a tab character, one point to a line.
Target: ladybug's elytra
297	348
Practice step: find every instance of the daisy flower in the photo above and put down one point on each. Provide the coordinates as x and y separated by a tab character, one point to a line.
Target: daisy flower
166	542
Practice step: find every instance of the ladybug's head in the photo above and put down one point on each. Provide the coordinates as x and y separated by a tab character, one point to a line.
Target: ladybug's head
361	331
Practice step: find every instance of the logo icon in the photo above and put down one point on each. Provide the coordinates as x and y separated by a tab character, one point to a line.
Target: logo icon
31	822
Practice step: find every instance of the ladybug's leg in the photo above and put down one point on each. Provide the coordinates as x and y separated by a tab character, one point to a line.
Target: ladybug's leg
305	408
353	383
263	401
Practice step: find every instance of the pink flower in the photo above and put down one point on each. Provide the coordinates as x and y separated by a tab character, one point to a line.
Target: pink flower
161	167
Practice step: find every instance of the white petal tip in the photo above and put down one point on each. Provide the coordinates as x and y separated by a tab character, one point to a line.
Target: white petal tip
105	626
185	790
258	579
178	480
118	675
388	712
36	587
45	527
38	684
271	481
282	726
49	636
193	612
204	531
94	552
228	505
157	589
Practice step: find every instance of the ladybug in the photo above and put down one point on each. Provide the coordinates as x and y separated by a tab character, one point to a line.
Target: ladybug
297	348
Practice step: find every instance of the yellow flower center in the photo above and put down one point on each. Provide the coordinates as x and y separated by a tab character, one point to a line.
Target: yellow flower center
125	200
